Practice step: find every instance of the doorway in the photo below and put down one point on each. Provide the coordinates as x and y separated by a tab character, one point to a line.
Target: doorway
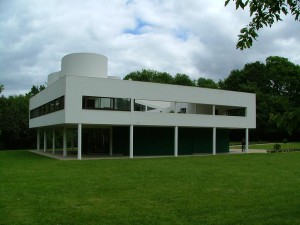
96	141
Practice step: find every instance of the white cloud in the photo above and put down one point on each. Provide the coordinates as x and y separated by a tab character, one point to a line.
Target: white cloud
193	37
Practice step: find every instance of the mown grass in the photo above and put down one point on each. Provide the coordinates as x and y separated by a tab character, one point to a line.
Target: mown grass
223	189
270	146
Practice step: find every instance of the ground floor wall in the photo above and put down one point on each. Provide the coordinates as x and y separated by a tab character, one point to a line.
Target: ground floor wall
153	141
146	140
160	141
120	140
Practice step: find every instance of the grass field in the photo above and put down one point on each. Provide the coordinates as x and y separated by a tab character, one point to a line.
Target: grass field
223	189
268	146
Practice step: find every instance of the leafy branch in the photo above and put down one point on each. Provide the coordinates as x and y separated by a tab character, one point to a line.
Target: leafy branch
264	13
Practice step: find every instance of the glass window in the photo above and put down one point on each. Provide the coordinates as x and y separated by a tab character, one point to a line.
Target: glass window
91	103
49	107
182	110
106	103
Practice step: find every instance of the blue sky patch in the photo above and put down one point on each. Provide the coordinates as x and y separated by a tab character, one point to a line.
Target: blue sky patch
181	34
138	29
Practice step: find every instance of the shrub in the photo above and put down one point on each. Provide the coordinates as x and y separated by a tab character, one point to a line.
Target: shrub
285	141
277	147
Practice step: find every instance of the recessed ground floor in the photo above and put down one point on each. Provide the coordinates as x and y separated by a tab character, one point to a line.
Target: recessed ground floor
132	141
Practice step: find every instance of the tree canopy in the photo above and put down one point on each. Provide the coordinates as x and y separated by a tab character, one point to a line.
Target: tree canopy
14	120
1	88
263	13
277	86
207	83
165	78
160	77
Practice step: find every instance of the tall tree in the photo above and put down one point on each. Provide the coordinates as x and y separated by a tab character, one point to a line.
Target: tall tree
1	88
277	85
162	77
144	75
284	82
35	90
15	133
263	13
183	79
207	83
14	120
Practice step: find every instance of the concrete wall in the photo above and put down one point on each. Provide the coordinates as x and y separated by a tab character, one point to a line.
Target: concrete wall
76	87
55	90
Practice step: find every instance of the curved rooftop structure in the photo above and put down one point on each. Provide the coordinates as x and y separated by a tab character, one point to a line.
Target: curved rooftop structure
81	64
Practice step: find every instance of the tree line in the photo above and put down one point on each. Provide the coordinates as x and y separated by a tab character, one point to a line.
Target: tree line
14	120
165	78
276	83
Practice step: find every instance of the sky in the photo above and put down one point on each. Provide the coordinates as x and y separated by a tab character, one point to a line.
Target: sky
194	37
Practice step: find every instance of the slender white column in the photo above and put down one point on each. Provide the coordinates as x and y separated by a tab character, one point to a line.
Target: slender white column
131	142
79	140
53	141
132	105
65	142
213	110
38	140
45	140
176	142
214	140
247	140
175	107
111	141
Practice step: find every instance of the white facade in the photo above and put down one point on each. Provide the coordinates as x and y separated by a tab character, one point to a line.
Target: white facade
85	75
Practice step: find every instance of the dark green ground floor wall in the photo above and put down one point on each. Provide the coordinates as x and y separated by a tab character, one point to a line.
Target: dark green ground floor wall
120	140
153	141
160	141
222	140
199	140
194	140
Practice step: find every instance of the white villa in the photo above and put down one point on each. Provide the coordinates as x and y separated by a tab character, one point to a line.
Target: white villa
105	115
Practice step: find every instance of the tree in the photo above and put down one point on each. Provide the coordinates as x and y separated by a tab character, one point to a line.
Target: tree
35	90
263	13
183	79
207	83
150	76
15	133
1	88
277	87
14	120
162	77
284	82
144	75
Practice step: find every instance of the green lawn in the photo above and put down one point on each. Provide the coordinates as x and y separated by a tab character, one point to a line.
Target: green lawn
223	189
270	146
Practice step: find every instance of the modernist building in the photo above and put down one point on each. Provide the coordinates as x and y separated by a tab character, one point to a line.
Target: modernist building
110	116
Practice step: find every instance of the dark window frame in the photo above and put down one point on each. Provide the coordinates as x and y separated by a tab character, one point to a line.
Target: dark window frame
113	103
49	107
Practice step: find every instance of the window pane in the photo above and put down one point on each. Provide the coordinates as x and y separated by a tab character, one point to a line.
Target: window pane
90	103
106	103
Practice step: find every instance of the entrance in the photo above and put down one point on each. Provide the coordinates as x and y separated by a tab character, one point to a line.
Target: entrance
96	141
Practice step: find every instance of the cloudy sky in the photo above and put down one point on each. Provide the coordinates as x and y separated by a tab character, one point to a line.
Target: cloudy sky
195	37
